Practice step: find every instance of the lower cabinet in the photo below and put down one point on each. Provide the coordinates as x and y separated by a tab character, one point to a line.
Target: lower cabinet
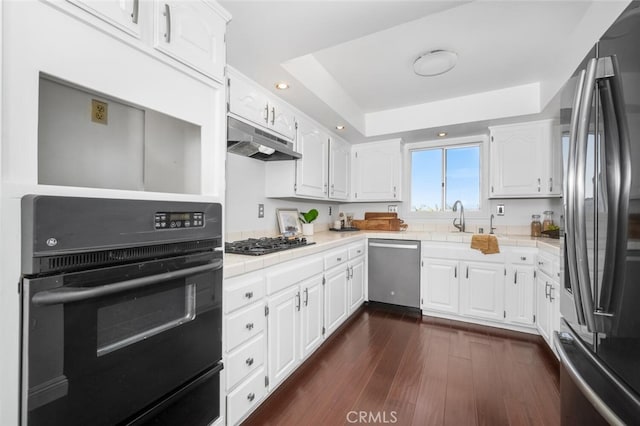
547	309
439	285
520	289
335	307
356	283
482	290
312	315
283	324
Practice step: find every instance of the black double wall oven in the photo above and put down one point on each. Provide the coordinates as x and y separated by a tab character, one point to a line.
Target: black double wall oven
122	311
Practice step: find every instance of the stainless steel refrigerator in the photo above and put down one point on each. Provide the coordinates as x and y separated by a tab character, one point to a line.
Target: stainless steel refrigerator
599	341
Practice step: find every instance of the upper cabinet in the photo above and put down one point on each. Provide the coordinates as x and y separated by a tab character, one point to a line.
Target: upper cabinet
122	14
525	161
377	171
339	169
192	32
312	169
249	101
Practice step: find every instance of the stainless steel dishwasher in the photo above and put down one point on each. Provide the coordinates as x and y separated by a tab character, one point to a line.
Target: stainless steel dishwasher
394	272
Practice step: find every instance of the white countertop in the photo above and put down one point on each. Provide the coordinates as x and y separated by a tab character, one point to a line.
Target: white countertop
237	264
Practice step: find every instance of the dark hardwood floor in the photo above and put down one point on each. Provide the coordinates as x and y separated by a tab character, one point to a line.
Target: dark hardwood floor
395	368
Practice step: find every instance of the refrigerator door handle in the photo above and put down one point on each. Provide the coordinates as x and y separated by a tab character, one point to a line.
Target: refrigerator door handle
617	164
569	201
579	207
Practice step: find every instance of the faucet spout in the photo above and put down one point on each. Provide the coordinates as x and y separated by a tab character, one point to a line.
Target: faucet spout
460	224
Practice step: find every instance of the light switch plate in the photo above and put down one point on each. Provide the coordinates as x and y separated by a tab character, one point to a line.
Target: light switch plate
500	210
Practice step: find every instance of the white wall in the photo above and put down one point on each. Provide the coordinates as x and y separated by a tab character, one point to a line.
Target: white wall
246	189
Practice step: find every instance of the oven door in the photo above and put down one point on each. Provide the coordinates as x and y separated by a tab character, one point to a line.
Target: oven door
101	346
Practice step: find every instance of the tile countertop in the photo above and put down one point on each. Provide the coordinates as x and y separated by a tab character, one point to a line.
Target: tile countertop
237	264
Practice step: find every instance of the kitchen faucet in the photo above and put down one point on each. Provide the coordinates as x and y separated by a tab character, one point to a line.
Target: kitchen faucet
459	225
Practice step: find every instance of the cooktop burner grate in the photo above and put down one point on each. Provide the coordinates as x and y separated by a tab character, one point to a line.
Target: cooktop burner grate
260	246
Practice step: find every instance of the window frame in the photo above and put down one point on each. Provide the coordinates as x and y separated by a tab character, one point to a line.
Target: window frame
482	142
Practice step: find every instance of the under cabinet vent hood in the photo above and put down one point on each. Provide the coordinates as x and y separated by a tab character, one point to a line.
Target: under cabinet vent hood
244	139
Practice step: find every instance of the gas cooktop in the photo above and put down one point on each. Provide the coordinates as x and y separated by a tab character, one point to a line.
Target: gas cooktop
260	246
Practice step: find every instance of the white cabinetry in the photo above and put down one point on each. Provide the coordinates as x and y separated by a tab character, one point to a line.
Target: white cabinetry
312	169
525	160
192	32
284	334
312	315
355	284
339	169
482	290
520	288
547	296
244	344
252	103
122	14
336	283
376	171
440	285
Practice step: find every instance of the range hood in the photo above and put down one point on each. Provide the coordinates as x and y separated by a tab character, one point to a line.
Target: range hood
244	139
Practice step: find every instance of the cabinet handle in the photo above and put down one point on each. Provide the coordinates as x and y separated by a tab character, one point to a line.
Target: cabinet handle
539	184
266	113
523	258
325	188
351	276
134	11
249	326
455	272
515	277
467	272
394	192
333	190
540	263
546	289
167	16
551	298
273	116
248	294
347	272
306	297
550	184
249	362
298	301
251	397
339	259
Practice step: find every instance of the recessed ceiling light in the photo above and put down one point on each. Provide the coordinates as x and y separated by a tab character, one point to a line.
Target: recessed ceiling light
442	134
340	127
435	63
282	85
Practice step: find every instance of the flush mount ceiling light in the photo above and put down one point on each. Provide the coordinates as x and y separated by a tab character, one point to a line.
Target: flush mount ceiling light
282	85
435	63
340	127
442	134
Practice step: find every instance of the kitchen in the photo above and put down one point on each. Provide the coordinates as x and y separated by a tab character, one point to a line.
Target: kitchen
402	129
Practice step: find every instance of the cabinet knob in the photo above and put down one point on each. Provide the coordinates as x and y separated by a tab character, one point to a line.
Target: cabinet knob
251	396
249	361
523	258
249	326
248	294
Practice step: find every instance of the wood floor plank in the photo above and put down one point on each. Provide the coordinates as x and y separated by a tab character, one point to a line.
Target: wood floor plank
427	372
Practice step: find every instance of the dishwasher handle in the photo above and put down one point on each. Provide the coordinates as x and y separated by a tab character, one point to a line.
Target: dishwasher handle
395	246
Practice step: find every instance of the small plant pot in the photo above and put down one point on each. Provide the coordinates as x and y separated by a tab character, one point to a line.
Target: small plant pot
307	229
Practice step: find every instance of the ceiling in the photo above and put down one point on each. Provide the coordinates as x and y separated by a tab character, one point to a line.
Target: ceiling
350	62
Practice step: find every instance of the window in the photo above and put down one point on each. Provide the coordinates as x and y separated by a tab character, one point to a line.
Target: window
440	176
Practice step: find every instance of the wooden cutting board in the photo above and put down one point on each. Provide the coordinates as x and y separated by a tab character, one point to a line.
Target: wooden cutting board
380	215
383	224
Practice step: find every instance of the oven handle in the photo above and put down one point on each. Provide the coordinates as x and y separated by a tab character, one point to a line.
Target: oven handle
75	294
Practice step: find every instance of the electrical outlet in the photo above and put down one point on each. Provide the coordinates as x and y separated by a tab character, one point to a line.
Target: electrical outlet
260	211
329	210
393	208
99	111
500	209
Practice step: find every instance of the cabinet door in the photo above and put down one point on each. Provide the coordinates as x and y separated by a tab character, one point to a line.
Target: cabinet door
483	290
520	295
543	323
335	297
122	14
439	285
193	33
356	284
312	314
376	172
339	169
283	334
517	165
282	120
311	170
248	101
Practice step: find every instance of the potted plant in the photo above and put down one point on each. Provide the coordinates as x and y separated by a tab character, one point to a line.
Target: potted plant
306	219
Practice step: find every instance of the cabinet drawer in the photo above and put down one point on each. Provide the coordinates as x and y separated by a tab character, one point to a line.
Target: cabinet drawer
356	250
335	258
245	397
547	264
292	273
239	292
521	257
244	360
244	324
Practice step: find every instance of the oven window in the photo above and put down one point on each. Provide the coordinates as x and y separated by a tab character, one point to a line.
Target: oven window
132	320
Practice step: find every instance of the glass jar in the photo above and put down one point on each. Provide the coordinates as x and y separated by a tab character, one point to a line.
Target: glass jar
547	220
536	226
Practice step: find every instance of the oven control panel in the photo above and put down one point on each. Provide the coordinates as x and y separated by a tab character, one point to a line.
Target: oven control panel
175	220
